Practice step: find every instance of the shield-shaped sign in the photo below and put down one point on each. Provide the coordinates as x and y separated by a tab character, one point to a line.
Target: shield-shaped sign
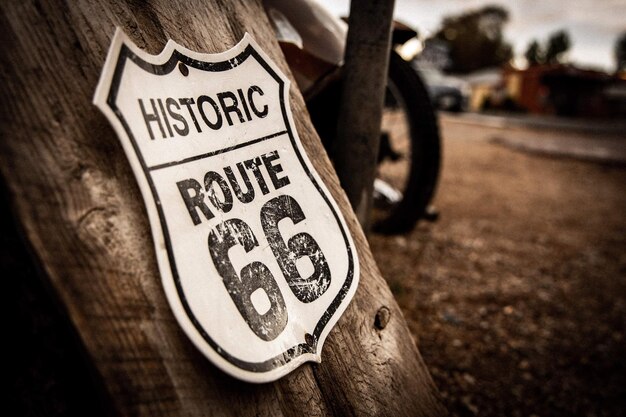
255	258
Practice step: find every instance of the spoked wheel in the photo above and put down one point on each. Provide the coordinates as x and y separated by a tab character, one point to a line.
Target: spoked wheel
394	156
409	151
409	154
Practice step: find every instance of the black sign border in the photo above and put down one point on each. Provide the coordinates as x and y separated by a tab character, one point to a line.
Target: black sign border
294	352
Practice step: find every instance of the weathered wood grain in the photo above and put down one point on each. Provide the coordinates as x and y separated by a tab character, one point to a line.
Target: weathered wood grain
82	213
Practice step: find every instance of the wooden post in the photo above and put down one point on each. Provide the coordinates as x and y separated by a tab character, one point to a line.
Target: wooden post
362	99
79	206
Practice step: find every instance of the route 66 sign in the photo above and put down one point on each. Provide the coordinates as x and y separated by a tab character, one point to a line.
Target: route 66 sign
255	258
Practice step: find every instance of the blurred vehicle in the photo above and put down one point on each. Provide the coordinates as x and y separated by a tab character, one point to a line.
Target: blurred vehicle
446	92
313	41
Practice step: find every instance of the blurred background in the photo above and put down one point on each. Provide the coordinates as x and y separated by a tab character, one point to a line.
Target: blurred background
549	58
516	295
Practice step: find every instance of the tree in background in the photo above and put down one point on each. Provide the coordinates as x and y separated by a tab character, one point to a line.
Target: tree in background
475	39
552	53
558	43
534	54
620	52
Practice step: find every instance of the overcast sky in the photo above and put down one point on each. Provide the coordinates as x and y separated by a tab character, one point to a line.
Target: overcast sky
593	25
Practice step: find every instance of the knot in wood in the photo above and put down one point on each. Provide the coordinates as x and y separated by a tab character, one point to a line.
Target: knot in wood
383	315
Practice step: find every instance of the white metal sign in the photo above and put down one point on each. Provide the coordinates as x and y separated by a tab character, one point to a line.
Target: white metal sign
255	258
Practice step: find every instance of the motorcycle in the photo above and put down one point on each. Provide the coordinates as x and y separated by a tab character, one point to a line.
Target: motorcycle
313	42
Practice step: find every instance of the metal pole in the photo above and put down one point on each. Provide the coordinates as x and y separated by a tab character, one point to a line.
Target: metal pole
362	100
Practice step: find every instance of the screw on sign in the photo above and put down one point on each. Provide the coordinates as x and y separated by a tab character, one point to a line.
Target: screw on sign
255	258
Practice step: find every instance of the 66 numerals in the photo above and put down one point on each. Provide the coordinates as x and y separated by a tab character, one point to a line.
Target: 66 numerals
256	275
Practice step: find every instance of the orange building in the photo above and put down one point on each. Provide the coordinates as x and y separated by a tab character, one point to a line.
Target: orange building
563	90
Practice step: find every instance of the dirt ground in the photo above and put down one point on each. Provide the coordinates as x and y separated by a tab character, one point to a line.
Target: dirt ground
517	294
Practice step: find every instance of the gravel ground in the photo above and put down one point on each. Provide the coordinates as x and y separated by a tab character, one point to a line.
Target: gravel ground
517	295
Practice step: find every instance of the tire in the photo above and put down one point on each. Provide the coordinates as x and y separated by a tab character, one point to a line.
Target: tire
422	173
419	180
